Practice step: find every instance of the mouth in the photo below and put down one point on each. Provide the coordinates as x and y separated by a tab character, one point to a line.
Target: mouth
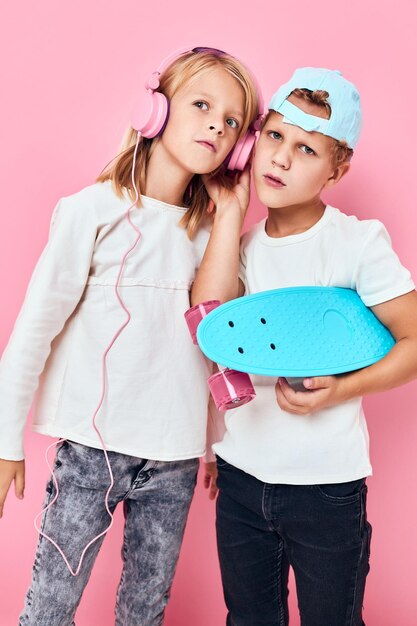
208	145
274	181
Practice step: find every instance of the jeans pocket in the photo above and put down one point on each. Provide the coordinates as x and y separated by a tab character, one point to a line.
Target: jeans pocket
221	463
342	493
59	451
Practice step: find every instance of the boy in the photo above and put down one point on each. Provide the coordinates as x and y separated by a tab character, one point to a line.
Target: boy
292	464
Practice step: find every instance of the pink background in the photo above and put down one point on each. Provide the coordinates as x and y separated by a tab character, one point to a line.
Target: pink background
70	72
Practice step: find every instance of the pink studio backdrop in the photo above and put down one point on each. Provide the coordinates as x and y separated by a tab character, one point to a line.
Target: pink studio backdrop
70	72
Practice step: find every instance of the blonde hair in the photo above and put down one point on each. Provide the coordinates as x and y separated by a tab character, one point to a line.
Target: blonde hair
341	151
182	71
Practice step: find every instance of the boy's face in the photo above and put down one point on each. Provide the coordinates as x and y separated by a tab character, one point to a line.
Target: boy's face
291	166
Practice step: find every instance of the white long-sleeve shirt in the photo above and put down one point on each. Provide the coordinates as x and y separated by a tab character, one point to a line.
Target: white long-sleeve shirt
155	405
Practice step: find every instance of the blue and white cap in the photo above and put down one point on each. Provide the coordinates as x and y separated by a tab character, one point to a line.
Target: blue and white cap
345	121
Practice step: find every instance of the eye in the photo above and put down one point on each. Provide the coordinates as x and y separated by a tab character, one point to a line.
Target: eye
232	122
274	134
200	104
307	150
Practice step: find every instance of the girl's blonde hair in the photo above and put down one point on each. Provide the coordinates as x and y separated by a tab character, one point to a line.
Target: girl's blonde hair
182	71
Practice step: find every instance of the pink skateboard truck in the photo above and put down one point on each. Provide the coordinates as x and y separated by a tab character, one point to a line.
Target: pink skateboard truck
228	387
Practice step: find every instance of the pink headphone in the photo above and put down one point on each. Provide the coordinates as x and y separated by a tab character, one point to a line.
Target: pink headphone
151	111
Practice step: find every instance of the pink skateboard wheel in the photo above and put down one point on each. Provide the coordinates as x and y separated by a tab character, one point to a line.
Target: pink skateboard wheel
230	389
194	316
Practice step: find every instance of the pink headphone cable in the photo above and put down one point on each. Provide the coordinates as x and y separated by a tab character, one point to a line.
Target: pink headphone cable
103	391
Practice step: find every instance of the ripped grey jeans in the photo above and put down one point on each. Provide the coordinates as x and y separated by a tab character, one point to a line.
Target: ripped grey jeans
156	496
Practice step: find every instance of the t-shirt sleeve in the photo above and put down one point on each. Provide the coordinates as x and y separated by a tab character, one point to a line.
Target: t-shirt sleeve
380	275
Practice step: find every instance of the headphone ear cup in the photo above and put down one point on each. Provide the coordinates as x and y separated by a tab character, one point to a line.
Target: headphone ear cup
241	152
150	114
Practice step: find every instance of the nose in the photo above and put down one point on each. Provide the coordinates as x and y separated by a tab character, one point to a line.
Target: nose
281	158
217	126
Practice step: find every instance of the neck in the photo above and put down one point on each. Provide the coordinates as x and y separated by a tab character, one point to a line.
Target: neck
166	179
293	220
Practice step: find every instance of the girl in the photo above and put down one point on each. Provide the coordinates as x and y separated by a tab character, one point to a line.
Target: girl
108	345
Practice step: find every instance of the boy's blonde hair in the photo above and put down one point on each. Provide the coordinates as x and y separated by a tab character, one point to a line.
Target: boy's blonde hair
182	71
341	151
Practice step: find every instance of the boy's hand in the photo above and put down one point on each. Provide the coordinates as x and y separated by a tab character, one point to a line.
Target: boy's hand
321	392
11	471
228	193
210	476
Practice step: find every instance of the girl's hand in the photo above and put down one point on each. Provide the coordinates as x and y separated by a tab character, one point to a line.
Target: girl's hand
227	194
321	392
11	471
210	476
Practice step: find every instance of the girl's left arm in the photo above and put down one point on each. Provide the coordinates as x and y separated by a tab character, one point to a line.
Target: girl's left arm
217	277
398	367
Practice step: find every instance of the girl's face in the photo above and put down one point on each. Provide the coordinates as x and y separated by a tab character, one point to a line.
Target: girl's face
205	119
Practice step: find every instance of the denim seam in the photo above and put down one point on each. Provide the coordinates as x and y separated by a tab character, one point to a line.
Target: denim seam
350	618
265	493
47	502
35	569
362	518
122	577
279	577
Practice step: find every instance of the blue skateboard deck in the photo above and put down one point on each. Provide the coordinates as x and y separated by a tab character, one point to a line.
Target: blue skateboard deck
295	331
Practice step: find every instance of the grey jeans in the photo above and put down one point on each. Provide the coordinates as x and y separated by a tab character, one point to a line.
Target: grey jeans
156	496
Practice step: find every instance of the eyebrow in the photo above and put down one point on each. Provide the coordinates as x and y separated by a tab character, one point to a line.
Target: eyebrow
211	97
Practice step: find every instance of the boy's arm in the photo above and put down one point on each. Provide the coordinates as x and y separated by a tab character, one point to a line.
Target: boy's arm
217	277
398	367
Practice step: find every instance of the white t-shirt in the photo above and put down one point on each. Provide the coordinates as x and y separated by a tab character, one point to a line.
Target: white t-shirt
155	405
330	445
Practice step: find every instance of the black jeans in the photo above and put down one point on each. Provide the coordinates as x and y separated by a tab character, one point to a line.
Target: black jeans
320	530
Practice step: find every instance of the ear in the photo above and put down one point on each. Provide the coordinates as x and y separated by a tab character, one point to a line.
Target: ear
337	174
